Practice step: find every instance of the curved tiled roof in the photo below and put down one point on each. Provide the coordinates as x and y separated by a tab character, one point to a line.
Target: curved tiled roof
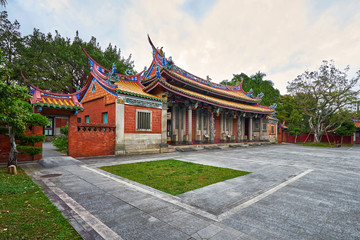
209	99
235	94
133	89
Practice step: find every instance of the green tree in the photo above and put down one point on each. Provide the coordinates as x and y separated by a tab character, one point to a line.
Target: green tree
346	129
257	83
296	132
325	92
15	111
53	62
10	41
290	111
3	3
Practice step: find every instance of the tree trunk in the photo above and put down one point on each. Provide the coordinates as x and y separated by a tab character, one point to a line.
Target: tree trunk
295	138
342	139
317	133
13	151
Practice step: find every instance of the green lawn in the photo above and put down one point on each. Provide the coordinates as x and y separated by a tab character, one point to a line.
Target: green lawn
27	213
173	176
321	144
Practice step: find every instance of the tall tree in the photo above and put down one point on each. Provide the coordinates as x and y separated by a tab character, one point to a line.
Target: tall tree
3	3
54	62
15	110
325	92
10	40
257	83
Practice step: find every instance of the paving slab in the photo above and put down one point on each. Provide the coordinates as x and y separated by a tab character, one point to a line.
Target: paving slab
293	192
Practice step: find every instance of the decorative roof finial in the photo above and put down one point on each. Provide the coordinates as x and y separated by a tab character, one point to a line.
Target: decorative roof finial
113	69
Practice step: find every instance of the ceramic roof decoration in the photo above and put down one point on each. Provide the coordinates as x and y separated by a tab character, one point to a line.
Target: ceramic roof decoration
41	98
163	71
119	83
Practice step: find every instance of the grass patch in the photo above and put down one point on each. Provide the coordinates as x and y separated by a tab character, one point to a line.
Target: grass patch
322	144
27	213
173	176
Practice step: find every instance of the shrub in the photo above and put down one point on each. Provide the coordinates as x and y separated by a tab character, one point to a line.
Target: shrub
61	143
32	151
4	130
65	130
24	140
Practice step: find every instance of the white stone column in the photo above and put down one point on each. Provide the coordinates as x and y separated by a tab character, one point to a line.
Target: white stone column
261	129
238	129
164	145
189	140
173	125
120	126
212	128
183	130
242	129
251	128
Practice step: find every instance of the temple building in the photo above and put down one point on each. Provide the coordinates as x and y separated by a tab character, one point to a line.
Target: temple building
115	114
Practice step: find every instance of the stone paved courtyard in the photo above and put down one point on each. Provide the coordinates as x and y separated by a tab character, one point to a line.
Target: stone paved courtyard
293	192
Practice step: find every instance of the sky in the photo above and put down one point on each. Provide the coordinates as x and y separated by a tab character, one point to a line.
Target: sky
216	38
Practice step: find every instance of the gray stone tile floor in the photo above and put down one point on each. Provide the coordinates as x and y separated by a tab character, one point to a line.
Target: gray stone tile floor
278	200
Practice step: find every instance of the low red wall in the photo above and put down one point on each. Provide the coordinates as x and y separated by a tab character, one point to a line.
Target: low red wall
86	140
5	146
333	138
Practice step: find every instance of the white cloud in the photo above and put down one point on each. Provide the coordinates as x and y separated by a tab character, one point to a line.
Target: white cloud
281	38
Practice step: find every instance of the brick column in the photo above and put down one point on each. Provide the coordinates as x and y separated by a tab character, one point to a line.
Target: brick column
119	123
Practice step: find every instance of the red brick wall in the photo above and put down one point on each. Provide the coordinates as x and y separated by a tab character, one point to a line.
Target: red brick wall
333	138
85	143
94	110
5	146
60	122
130	119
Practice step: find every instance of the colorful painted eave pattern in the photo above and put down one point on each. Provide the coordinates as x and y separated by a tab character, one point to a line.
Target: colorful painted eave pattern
208	99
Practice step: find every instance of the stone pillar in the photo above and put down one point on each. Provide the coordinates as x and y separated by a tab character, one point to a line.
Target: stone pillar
243	129
238	129
212	128
173	125
120	126
251	128
183	130
261	129
197	127
189	133
163	144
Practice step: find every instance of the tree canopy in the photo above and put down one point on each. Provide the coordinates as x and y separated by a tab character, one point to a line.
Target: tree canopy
257	83
324	94
15	110
53	62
